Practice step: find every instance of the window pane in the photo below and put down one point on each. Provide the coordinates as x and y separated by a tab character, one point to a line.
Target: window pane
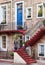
42	49
40	11
4	41
29	13
4	14
41	52
1	14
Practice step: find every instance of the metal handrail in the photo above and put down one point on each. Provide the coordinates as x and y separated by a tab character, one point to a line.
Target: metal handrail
32	30
36	27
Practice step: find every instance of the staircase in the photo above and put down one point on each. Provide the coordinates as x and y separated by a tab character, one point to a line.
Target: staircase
35	28
35	35
35	38
25	56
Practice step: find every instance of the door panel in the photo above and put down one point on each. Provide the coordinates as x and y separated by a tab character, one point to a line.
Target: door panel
19	15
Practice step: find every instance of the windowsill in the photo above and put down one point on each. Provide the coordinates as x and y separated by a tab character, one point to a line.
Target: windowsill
4	49
41	17
28	18
41	56
3	24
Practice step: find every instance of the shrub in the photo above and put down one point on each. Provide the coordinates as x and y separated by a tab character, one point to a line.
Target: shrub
11	53
44	22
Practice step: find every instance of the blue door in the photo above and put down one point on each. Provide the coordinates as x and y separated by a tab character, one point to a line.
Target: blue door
19	16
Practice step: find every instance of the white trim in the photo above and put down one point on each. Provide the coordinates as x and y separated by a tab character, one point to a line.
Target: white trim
18	58
27	12
43	10
16	13
6	13
4	49
0	41
39	49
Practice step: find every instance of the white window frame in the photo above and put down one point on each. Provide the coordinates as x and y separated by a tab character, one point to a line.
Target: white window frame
6	13
26	37
44	49
4	49
27	12
43	10
16	13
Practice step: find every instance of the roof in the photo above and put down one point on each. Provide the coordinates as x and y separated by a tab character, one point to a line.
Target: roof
37	36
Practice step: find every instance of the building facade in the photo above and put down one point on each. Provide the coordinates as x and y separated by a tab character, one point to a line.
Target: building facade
19	15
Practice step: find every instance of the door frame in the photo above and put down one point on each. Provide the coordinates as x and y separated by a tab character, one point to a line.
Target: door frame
16	13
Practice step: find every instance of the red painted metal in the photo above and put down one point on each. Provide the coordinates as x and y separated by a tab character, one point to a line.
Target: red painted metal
31	42
36	37
12	31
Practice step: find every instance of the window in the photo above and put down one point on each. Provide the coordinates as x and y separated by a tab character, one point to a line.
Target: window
3	14
40	10
3	41
29	13
41	51
27	37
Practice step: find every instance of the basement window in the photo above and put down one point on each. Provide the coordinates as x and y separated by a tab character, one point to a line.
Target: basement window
41	50
3	41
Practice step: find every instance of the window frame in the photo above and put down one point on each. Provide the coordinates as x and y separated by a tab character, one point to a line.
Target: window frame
26	37
41	4
16	13
27	12
4	49
38	49
6	13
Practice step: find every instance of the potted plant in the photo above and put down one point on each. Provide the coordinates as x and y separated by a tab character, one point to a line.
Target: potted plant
12	54
20	27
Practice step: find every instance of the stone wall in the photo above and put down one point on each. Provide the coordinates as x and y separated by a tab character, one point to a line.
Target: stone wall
33	4
11	13
35	47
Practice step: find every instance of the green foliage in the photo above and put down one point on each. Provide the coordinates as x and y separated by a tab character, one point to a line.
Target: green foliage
11	53
44	22
40	12
16	36
23	42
